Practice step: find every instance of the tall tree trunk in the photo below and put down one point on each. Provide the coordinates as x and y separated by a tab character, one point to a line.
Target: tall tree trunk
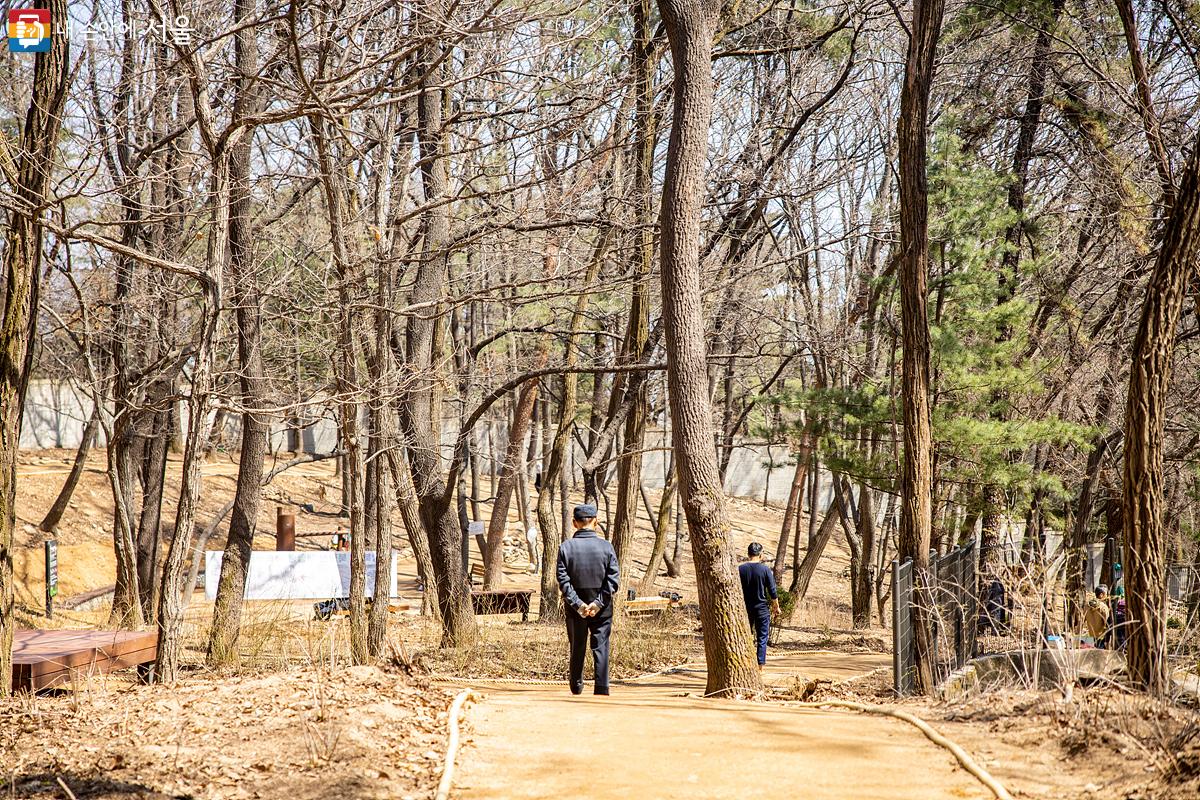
662	521
171	602
629	479
22	261
231	588
862	572
417	419
154	475
629	468
995	511
381	594
513	462
410	512
795	503
674	568
346	375
992	519
808	567
555	472
49	523
1149	378
382	389
728	644
126	609
1145	102
916	482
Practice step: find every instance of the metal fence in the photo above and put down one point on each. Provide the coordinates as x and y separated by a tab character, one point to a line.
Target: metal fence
904	664
953	615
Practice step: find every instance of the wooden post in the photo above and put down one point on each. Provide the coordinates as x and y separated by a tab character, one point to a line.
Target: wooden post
285	529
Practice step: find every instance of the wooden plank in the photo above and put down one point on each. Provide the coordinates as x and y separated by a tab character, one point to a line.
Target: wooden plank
47	658
648	602
34	649
87	654
67	676
647	606
38	641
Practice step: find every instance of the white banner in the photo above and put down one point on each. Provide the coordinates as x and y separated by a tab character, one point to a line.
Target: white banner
295	574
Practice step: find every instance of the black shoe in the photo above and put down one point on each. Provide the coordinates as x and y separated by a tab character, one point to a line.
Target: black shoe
576	690
602	690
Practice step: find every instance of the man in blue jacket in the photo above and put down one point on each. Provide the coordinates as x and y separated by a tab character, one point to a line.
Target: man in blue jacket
588	579
761	596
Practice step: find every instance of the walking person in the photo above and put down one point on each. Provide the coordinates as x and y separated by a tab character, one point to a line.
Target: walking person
761	596
588	580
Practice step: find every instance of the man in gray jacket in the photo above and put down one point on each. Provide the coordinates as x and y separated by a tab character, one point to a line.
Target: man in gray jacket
588	579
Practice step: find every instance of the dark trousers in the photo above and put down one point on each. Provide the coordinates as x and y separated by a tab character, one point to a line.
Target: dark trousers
579	631
760	624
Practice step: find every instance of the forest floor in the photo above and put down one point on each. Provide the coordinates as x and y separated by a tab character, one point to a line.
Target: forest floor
303	733
289	722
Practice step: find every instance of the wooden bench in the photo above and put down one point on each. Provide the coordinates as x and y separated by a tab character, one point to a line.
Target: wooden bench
44	659
478	571
503	601
648	606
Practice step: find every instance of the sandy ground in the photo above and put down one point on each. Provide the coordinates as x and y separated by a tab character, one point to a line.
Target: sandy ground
654	737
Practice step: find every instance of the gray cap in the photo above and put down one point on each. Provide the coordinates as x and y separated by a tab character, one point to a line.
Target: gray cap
585	512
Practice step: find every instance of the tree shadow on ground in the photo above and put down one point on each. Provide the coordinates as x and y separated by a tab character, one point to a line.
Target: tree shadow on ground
96	787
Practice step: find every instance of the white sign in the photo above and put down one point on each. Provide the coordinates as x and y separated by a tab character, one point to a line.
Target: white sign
295	574
475	529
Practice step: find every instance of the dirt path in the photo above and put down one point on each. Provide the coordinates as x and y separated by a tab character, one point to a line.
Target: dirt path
651	740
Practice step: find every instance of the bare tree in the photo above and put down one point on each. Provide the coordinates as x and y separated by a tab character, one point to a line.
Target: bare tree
1145	418
29	170
728	645
227	610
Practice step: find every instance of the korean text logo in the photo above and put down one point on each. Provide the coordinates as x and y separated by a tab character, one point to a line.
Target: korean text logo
29	30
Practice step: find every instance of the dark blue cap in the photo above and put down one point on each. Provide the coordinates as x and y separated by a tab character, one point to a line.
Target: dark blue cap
585	512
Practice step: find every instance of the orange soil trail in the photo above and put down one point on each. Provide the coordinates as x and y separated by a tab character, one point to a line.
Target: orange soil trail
655	739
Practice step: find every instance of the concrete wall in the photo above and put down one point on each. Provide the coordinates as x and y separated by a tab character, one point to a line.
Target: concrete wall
55	415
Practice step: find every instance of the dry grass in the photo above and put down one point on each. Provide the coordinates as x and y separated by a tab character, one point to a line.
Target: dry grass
533	651
281	636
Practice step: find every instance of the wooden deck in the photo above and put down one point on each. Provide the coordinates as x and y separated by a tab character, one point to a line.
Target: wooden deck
53	658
